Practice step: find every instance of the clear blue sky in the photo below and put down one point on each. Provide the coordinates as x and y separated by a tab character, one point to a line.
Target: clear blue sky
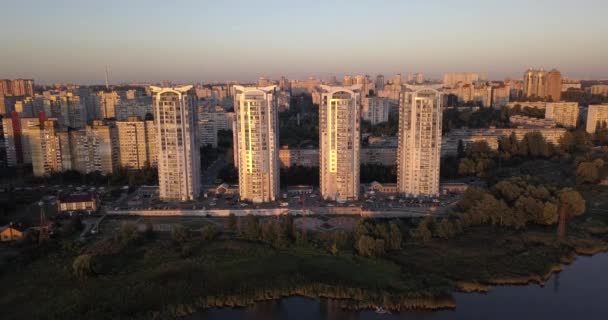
180	40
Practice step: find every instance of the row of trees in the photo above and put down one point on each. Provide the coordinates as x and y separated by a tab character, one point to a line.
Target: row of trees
481	118
478	158
518	202
375	239
279	232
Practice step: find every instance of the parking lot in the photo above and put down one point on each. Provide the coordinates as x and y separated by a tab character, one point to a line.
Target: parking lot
146	198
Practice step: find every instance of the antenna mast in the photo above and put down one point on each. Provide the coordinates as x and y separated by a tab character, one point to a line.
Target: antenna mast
107	86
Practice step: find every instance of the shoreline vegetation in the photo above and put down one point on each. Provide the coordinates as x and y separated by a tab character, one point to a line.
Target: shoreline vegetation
143	276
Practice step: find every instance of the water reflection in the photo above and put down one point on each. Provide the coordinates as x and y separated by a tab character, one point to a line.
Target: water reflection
579	292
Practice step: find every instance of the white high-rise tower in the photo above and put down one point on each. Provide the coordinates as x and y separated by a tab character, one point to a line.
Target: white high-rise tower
419	151
339	117
257	142
177	145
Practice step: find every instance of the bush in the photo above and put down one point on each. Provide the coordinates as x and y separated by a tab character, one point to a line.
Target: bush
180	234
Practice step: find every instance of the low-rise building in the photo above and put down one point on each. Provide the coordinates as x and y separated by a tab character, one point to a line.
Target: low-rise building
77	202
531	122
10	233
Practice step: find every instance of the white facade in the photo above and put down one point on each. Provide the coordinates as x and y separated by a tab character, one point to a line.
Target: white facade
419	147
564	113
177	143
376	109
597	116
257	137
340	142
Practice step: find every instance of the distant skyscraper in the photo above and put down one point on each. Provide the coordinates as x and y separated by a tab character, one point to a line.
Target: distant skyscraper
340	142
379	82
375	109
257	136
397	79
542	84
419	147
348	80
177	144
554	85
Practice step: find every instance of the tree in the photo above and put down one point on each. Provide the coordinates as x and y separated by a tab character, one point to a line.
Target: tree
180	234
471	196
423	232
82	266
445	230
128	233
334	249
587	172
460	149
209	232
366	246
571	204
548	215
536	144
567	142
252	228
395	237
467	167
232	222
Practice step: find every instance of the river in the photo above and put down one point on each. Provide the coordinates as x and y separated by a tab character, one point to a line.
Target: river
580	291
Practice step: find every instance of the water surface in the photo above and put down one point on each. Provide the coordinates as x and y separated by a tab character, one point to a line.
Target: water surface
580	291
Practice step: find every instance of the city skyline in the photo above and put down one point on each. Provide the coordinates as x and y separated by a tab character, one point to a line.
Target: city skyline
74	41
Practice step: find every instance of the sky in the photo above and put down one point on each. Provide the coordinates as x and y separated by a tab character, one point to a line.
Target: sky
199	40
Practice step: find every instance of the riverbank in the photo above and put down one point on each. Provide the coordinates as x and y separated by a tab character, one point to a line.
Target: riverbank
155	278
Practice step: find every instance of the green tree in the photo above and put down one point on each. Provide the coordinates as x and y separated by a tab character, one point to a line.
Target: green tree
334	249
128	233
548	215
82	266
571	204
180	234
444	229
467	167
366	246
587	172
508	190
209	232
252	227
395	237
424	231
232	222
